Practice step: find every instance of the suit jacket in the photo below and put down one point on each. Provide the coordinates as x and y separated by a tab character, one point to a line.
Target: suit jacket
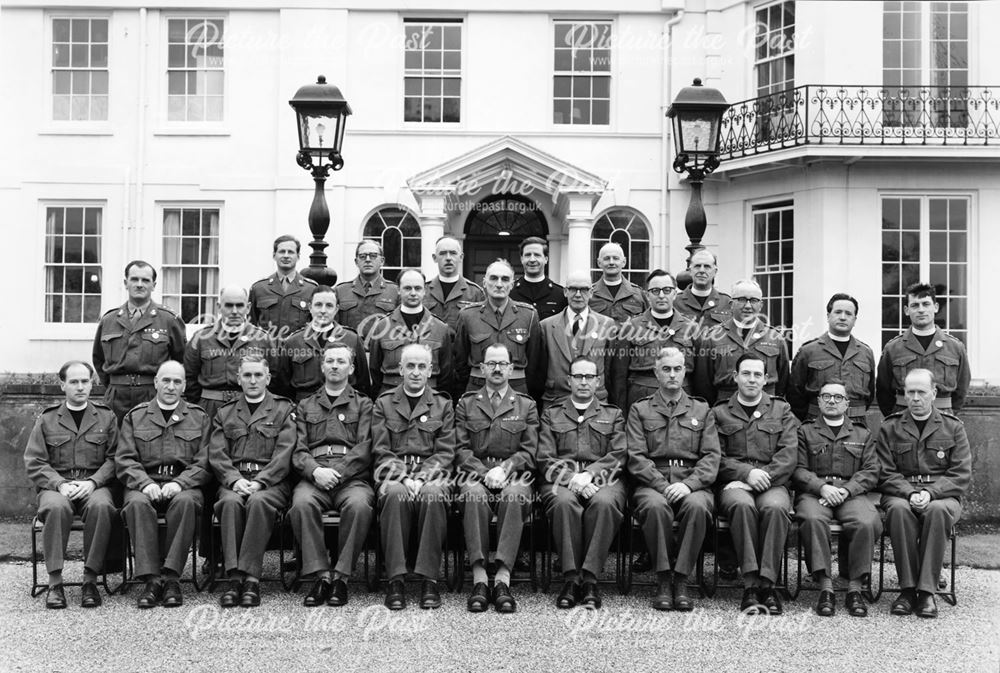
559	347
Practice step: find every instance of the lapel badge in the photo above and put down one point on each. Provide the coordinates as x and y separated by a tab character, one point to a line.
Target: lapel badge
341	417
245	337
519	337
671	332
303	304
940	454
756	414
757	335
579	419
939	343
175	417
423	419
711	304
155	336
694	422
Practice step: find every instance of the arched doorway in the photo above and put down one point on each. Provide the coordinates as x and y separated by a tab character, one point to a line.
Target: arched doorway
495	228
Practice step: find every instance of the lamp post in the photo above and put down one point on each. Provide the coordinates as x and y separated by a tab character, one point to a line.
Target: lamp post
321	114
696	116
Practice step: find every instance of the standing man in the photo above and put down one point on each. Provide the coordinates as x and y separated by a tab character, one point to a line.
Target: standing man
673	456
925	346
533	287
497	434
298	366
133	340
836	355
279	304
837	467
574	332
450	292
162	460
413	443
581	453
746	332
613	295
759	451
701	301
642	338
410	323
70	458
333	459
499	319
369	294
250	449
926	468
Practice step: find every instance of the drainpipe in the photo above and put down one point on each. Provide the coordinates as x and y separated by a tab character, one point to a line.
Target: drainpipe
668	51
133	242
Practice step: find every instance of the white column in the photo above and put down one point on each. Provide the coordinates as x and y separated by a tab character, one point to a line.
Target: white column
579	222
432	219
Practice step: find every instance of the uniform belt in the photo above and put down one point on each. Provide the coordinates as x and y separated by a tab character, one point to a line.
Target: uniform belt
833	477
409	459
167	472
76	473
922	478
675	462
131	379
942	401
250	467
332	450
222	395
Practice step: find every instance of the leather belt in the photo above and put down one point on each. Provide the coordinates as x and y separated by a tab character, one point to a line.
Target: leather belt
131	379
942	401
77	473
333	450
675	462
168	471
922	478
250	467
410	459
833	477
221	395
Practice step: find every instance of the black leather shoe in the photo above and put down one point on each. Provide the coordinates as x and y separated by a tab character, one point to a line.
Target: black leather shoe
642	563
682	602
479	599
90	597
770	599
855	604
729	571
826	606
903	605
590	596
231	596
503	600
250	598
663	600
55	598
151	595
749	601
338	594
429	596
567	597
395	595
318	593
172	596
926	605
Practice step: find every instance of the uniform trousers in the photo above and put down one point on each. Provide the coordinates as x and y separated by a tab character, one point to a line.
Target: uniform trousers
397	511
353	500
656	518
181	513
584	529
919	540
512	505
56	511
759	525
861	527
246	523
121	398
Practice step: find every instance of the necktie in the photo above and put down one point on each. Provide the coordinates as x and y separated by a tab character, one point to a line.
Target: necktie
576	324
284	281
494	400
368	287
134	317
499	315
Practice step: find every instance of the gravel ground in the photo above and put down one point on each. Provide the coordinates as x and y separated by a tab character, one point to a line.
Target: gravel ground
626	635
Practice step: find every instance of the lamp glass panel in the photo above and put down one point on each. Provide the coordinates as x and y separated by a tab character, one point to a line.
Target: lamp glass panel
699	132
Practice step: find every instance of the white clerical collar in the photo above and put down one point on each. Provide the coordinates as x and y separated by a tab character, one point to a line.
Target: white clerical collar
449	279
256	400
414	395
581	407
72	408
538	279
839	338
335	393
661	316
748	403
700	293
834	423
321	328
411	311
925	332
617	282
168	407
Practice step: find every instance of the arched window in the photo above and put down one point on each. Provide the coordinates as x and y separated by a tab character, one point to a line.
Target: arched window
399	233
628	229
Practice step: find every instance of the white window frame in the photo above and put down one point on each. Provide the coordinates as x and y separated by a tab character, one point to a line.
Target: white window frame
611	73
365	237
54	126
632	273
161	208
764	206
166	126
422	74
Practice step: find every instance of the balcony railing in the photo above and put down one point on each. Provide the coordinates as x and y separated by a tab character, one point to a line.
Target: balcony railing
834	114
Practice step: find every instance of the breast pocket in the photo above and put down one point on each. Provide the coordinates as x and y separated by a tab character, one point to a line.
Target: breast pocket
263	439
733	439
655	430
516	339
267	306
770	431
904	456
397	434
385	304
60	450
820	460
770	354
236	440
632	306
946	370
187	444
852	457
819	371
510	435
154	346
937	457
478	341
685	437
148	443
600	438
97	450
113	345
901	364
429	432
859	374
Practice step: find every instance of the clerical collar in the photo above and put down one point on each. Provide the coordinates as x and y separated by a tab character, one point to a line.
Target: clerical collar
700	293
409	394
661	316
168	407
834	423
321	328
924	332
581	407
922	418
617	282
838	338
72	408
335	393
411	311
540	279
748	403
256	400
449	279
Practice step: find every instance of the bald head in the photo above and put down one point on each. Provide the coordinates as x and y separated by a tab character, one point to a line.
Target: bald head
612	260
169	383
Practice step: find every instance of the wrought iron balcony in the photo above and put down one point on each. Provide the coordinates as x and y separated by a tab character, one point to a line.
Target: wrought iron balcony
834	114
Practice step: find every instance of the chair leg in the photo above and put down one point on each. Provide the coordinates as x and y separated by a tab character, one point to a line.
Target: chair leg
36	588
950	596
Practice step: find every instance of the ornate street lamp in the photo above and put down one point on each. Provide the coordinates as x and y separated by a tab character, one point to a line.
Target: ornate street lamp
321	114
696	115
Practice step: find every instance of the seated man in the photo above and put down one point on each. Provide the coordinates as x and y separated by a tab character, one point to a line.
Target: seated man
497	437
581	452
413	443
162	460
926	467
673	455
837	468
757	435
250	449
333	460
70	460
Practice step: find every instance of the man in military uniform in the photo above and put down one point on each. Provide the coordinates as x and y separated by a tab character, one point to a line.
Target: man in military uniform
641	339
614	295
926	468
279	304
250	451
926	346
574	332
162	460
369	294
581	454
413	444
333	459
673	456
497	437
450	292
759	451
133	340
534	287
745	332
410	323
499	319
837	467
70	460
701	301
835	355
298	366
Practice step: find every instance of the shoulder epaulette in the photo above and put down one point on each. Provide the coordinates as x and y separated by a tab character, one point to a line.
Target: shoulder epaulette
441	393
308	280
111	310
471	393
809	342
386	393
52	407
725	294
282	398
141	405
895	414
522	304
476	305
860	423
862	343
161	307
100	405
346	283
950	414
192	405
698	399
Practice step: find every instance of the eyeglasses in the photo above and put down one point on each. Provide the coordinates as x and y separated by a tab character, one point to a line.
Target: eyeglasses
368	255
578	290
494	364
583	377
753	301
661	290
835	397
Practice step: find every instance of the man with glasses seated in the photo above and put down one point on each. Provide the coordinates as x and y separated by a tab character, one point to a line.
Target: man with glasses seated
746	332
837	467
573	332
642	338
369	294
